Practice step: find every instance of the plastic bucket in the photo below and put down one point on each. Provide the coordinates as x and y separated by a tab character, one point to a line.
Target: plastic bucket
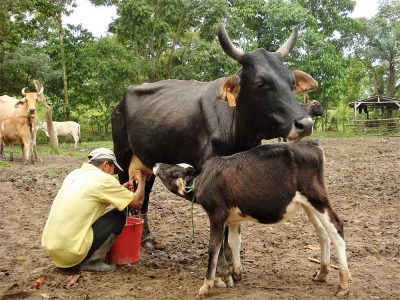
126	248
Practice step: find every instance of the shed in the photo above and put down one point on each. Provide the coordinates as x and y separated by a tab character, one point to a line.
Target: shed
387	118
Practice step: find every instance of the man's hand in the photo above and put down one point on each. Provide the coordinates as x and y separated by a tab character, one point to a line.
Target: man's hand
128	185
137	202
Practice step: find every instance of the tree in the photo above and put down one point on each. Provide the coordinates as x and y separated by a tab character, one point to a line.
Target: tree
106	68
377	46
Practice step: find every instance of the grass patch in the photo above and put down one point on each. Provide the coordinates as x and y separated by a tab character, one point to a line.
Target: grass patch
64	149
68	149
5	164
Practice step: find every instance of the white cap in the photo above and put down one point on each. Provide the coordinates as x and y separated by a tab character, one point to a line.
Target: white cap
104	153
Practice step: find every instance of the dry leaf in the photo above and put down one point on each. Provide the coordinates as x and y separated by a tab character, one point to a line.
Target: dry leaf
71	280
20	258
38	282
311	247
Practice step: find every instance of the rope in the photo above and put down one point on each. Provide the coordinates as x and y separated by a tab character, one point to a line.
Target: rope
193	239
187	190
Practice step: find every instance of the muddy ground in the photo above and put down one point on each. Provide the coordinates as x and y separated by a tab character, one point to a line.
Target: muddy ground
362	176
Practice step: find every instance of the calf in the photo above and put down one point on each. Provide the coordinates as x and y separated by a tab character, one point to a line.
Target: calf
67	128
18	130
275	181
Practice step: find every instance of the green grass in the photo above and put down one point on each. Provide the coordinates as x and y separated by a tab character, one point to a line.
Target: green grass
68	149
5	164
64	149
66	146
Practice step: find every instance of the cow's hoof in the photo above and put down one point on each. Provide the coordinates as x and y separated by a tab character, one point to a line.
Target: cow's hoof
148	245
148	242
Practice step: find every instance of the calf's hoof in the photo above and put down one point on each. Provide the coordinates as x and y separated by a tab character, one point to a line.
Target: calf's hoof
237	276
207	285
219	283
342	292
320	276
223	283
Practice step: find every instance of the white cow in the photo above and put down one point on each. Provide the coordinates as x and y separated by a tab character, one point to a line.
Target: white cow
64	129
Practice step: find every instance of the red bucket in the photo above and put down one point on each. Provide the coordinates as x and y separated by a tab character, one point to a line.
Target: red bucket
126	248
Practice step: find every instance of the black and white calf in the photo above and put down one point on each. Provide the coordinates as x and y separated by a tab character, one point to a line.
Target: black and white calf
267	184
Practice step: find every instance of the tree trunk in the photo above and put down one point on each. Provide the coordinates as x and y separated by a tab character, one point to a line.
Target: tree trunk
49	118
64	69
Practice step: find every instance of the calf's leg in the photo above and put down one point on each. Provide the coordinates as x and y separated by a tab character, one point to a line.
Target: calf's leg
216	237
334	229
224	264
324	243
235	241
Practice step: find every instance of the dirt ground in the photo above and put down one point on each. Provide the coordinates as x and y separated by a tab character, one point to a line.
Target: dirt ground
362	177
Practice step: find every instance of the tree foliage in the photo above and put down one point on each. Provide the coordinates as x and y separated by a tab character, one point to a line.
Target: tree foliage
159	39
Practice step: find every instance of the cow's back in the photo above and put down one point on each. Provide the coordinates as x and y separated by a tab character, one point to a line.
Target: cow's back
7	107
169	120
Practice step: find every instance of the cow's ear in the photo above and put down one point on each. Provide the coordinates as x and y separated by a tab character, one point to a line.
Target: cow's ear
304	82
20	102
230	90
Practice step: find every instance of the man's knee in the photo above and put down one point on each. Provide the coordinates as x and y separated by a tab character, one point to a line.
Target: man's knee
120	221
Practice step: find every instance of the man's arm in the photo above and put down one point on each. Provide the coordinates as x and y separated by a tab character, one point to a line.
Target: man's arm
137	201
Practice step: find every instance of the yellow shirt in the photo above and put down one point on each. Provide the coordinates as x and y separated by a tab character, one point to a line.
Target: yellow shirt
81	200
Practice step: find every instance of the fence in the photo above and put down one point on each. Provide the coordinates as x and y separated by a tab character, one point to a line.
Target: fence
374	125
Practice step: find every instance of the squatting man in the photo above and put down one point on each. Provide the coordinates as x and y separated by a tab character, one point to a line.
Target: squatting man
78	233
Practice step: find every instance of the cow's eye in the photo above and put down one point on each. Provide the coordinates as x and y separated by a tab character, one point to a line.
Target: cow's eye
263	83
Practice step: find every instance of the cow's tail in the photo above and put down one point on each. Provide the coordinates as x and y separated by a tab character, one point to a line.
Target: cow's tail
122	148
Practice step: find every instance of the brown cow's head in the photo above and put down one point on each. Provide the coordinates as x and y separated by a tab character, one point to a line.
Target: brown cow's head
262	90
30	100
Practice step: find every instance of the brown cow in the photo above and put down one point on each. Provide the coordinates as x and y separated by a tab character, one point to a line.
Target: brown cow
18	130
27	106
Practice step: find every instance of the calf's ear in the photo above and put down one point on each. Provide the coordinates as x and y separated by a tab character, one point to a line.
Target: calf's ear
304	82
230	90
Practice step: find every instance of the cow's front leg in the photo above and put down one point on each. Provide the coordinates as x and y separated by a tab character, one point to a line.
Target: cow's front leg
147	238
216	237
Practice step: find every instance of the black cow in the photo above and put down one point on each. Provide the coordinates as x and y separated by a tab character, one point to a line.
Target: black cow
175	120
267	184
313	108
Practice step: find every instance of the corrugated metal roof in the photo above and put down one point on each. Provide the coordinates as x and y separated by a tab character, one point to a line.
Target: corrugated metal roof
377	101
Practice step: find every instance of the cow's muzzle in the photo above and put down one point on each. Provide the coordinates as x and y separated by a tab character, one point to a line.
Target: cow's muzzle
155	168
301	128
32	111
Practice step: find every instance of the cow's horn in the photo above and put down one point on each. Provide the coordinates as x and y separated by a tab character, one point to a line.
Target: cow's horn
289	44
23	91
227	45
41	90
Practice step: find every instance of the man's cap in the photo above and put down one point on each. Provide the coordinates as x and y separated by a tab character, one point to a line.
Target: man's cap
104	153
